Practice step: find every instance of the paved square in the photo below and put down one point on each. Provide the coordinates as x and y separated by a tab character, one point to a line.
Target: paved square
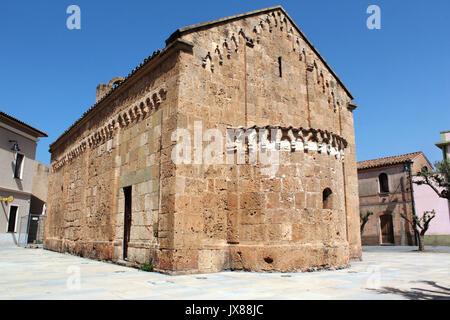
384	273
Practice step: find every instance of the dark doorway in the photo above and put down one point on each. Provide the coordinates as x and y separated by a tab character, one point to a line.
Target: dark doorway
126	221
12	219
33	228
387	229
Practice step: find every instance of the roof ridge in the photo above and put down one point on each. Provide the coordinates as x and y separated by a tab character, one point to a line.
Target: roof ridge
391	160
399	155
110	92
175	37
42	133
179	32
192	27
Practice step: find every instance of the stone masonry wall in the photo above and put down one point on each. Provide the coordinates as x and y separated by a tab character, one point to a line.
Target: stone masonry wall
117	147
252	72
233	216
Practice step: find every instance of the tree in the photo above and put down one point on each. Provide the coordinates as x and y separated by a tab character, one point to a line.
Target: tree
364	218
422	224
438	180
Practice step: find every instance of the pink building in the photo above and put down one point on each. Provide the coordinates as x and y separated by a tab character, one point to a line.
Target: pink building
386	190
439	231
426	200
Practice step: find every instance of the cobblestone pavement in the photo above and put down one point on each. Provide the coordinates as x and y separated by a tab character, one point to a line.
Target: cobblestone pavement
384	273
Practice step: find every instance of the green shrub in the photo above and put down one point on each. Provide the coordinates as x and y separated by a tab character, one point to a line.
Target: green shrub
147	266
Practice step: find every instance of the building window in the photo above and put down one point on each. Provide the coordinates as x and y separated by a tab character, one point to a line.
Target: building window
12	218
280	67
127	220
383	183
327	198
19	166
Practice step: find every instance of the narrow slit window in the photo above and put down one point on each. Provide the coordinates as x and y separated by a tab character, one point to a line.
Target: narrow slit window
280	67
19	166
127	220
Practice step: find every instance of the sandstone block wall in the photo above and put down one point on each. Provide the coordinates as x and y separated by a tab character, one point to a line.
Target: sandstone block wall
241	85
116	147
251	72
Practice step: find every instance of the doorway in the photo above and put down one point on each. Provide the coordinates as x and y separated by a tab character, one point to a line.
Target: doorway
126	220
12	219
387	229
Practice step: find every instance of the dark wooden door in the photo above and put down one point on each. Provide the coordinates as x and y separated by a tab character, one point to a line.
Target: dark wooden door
126	221
33	228
387	230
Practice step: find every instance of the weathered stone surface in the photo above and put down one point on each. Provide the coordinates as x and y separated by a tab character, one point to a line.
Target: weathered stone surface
203	217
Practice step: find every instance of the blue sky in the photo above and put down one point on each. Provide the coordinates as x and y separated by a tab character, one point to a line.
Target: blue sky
399	75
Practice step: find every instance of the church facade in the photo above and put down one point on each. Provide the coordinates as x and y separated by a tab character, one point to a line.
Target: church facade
167	168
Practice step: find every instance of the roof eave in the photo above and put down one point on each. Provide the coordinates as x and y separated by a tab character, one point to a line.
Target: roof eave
392	164
413	157
178	44
182	31
179	32
29	129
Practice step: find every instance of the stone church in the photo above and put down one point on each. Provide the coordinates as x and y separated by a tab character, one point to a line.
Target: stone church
117	194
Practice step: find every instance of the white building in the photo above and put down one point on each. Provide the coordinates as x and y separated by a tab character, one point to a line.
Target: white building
18	192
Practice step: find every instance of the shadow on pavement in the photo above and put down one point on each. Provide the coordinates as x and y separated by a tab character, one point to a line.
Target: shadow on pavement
439	292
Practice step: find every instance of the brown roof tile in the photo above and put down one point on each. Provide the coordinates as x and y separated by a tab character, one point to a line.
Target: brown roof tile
381	162
32	130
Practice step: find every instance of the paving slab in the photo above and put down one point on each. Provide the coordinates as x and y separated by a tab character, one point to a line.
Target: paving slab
387	273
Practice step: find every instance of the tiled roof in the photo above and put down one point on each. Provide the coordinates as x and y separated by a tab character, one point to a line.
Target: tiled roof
156	53
176	35
36	132
381	162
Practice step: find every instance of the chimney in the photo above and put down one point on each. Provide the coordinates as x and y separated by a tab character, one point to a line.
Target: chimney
103	89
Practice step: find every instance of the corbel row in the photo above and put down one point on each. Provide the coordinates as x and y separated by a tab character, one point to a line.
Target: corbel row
227	47
288	139
134	113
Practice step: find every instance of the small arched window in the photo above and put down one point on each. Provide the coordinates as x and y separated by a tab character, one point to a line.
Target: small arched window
327	198
116	83
383	183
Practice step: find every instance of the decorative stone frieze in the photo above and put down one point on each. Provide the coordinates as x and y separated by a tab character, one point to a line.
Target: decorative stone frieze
274	21
253	79
290	139
134	113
